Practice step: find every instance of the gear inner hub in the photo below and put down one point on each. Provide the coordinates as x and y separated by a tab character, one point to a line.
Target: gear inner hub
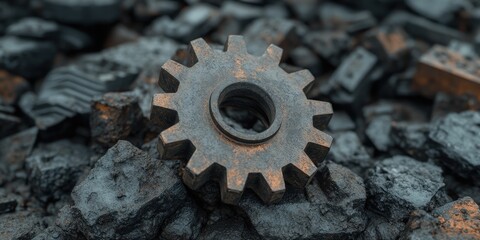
252	98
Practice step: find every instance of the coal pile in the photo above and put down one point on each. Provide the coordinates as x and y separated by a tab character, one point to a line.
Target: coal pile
84	155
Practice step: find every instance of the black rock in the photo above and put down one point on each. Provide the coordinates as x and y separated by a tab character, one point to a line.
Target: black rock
412	138
399	185
445	104
378	131
455	138
228	228
146	10
347	150
82	12
14	149
7	204
26	58
380	228
456	220
332	46
333	208
54	168
128	194
20	225
115	116
186	223
11	88
9	121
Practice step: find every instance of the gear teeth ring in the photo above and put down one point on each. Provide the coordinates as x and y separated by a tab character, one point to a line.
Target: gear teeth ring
291	147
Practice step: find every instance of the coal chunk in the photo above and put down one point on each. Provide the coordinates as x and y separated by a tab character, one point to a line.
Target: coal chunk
445	104
9	121
14	149
20	225
191	23
115	116
332	208
27	58
81	12
412	138
54	168
456	139
7	204
456	220
335	16
11	87
347	150
227	226
381	228
378	131
331	45
398	185
128	194
340	122
185	224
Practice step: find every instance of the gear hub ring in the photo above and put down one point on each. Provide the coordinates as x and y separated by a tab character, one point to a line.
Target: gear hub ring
291	147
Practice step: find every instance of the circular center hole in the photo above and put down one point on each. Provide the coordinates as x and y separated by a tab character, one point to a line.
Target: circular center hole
246	108
244	112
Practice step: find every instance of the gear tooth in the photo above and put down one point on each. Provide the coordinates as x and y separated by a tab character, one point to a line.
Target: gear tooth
200	48
233	186
271	187
170	73
174	145
301	171
274	54
275	181
322	113
318	145
164	100
303	78
197	170
235	43
163	111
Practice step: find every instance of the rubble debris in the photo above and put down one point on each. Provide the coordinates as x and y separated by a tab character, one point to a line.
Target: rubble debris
145	10
350	82
11	87
458	74
381	228
186	223
20	225
332	208
228	228
15	148
65	38
335	16
378	131
265	31
115	116
456	220
340	122
54	168
445	104
444	11
76	11
398	185
27	58
412	138
9	122
456	139
191	23
7	204
332	46
348	151
127	194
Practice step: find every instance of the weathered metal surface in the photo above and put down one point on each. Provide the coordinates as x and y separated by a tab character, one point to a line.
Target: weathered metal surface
289	149
442	70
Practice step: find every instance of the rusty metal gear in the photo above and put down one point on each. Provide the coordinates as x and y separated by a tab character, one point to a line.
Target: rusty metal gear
289	149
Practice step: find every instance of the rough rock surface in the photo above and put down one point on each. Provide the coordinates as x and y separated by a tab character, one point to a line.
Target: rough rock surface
54	168
186	223
347	150
128	195
333	208
456	220
20	225
412	138
381	228
399	185
457	139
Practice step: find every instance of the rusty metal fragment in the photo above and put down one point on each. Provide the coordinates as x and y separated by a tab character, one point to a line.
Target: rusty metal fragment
442	70
289	149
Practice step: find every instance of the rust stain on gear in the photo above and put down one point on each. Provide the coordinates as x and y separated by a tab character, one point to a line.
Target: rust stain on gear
290	149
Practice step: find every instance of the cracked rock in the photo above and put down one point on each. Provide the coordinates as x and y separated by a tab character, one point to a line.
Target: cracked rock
398	185
347	150
20	225
456	138
128	195
54	168
456	220
333	208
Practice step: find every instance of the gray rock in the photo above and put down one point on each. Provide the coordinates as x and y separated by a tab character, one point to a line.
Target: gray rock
15	148
127	195
54	168
455	220
347	150
378	131
457	139
228	228
185	224
20	225
412	138
333	208
380	228
399	185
